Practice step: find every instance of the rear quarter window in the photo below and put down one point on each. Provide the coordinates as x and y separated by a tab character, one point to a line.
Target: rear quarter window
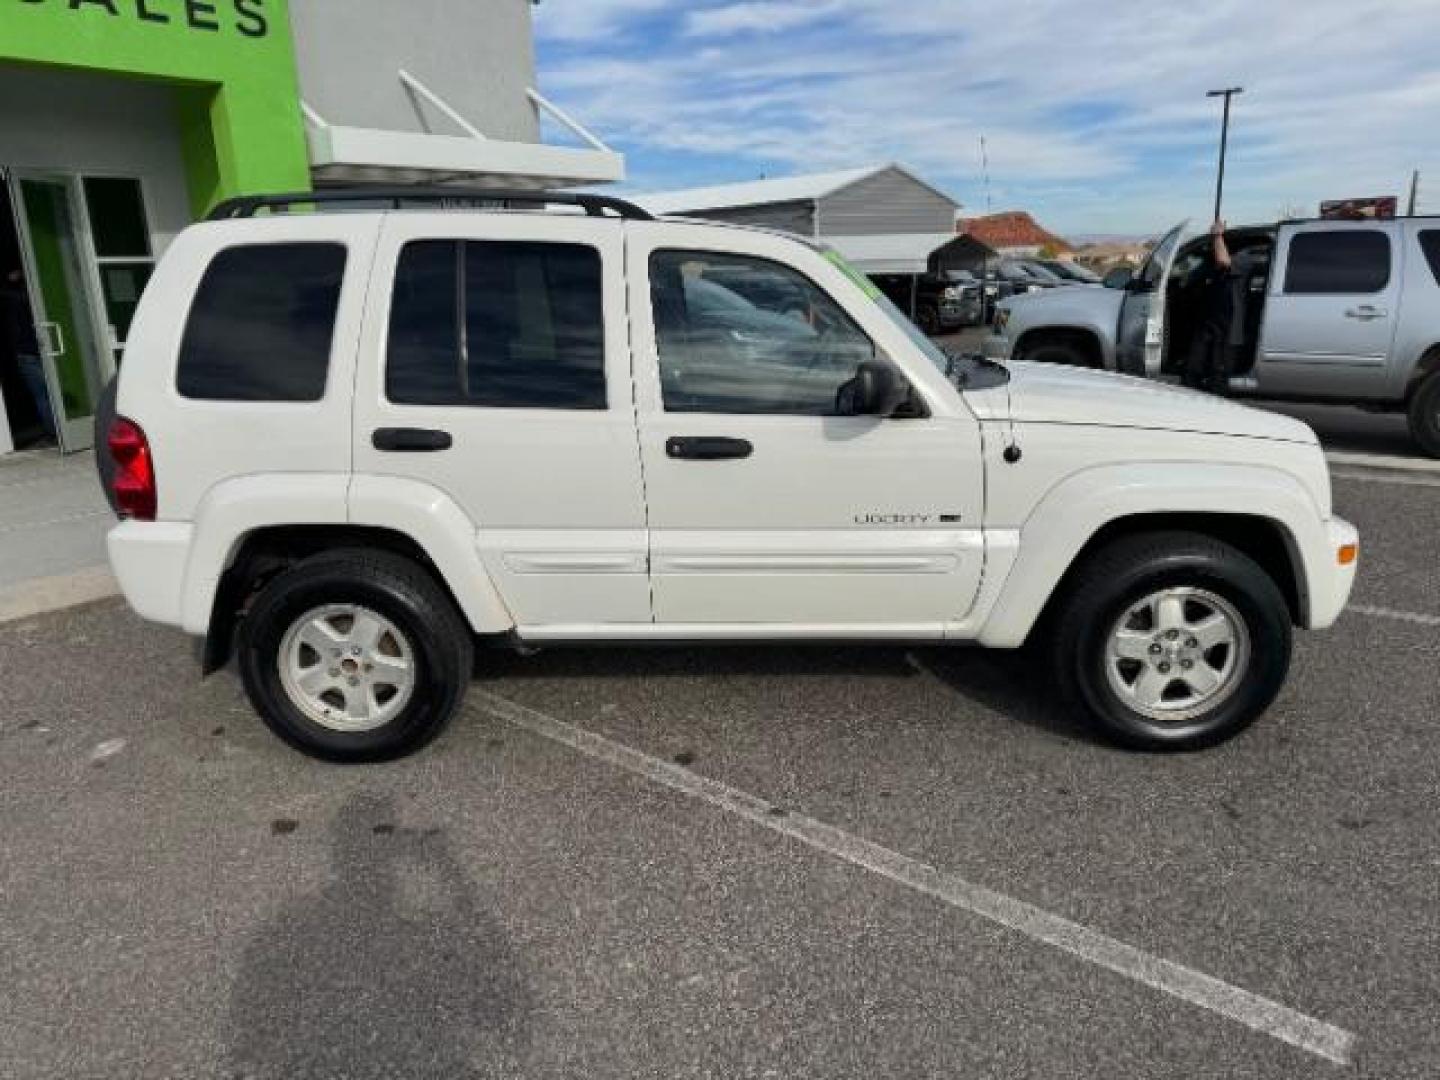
262	324
1343	262
1430	245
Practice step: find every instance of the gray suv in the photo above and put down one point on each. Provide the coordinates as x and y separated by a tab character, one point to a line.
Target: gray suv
1340	312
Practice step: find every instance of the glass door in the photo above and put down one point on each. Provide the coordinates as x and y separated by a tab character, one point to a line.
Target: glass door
65	314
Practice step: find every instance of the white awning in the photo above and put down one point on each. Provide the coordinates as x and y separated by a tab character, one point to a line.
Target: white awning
365	155
351	155
891	253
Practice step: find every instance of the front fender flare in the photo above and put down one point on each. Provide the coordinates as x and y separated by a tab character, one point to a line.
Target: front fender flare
1074	511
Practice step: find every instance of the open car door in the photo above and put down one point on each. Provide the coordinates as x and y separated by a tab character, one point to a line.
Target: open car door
1140	338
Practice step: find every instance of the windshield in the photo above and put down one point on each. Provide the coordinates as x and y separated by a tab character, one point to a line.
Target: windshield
1069	273
933	352
1040	273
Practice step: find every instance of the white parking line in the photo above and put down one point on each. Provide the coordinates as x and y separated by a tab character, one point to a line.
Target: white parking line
1415	617
1396	479
1261	1014
1383	461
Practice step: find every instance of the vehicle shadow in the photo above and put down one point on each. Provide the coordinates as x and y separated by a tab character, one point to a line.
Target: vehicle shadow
631	661
998	681
1014	683
393	968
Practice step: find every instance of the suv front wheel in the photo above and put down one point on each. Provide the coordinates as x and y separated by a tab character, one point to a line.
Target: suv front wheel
1172	641
355	655
1056	348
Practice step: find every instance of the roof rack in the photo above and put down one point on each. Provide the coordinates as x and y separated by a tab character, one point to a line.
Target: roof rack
247	206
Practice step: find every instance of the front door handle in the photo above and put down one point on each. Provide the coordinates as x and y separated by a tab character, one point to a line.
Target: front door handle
707	448
411	440
1366	313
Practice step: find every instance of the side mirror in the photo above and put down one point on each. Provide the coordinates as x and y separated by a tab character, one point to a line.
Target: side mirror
1119	278
876	390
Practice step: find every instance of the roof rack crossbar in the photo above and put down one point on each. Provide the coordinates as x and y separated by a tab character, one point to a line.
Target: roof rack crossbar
248	206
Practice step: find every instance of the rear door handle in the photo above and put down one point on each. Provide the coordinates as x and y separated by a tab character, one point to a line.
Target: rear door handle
1366	312
707	448
411	440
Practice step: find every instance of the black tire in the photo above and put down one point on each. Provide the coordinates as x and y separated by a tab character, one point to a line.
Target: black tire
1055	349
391	586
929	320
1122	575
1424	413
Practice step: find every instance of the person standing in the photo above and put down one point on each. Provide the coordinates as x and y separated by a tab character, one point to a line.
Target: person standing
1207	366
18	327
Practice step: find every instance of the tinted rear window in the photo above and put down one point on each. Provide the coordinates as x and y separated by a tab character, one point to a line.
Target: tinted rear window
497	324
1344	262
262	324
1430	244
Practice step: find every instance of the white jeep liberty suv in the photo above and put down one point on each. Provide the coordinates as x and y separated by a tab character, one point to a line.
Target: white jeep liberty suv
346	447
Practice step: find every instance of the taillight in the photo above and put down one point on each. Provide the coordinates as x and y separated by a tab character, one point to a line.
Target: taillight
134	481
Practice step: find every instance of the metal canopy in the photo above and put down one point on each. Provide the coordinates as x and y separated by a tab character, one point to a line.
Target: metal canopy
353	155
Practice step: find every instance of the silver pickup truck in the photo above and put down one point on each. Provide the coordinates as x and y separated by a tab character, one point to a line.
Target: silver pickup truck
1340	312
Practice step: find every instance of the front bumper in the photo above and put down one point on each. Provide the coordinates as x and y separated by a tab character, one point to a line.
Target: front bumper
1330	582
959	312
149	559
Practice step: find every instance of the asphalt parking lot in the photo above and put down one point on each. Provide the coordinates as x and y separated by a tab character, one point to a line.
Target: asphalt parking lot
730	863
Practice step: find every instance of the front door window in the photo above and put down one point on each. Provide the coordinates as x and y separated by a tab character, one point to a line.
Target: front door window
749	336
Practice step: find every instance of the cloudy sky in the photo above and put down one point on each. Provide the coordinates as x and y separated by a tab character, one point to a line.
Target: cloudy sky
1094	112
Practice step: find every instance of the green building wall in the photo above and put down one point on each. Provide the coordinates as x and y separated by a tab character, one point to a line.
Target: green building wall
231	64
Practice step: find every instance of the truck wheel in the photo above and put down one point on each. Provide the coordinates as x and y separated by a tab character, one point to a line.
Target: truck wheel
1171	641
1055	349
1425	416
355	655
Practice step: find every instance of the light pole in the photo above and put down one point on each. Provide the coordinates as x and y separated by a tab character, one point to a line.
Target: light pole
1227	94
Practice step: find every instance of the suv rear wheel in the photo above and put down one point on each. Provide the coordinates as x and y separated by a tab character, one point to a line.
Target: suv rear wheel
355	655
1172	641
1425	415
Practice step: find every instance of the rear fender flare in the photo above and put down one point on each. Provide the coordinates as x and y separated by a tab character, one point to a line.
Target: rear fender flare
444	532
